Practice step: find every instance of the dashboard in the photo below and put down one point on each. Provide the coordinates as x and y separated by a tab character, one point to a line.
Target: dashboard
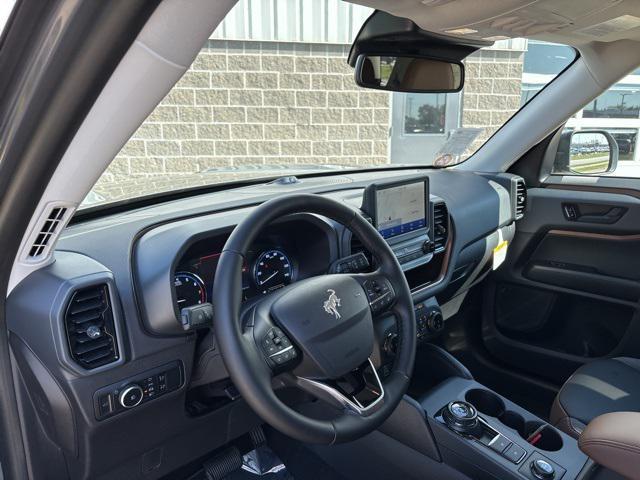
133	274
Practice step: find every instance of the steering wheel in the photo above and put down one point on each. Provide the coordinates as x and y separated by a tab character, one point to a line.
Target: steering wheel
317	333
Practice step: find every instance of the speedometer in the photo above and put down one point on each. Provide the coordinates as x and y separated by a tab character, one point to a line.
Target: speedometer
190	289
272	270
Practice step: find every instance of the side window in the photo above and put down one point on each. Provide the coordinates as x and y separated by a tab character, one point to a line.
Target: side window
602	138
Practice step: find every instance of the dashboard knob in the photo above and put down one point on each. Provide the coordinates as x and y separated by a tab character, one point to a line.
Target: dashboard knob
130	396
542	469
435	321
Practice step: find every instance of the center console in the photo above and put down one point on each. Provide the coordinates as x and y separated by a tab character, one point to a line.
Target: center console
484	435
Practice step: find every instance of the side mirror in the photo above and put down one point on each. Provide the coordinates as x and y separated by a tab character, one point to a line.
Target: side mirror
586	152
409	74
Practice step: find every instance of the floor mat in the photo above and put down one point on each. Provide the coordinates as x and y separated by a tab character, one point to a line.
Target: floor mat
301	462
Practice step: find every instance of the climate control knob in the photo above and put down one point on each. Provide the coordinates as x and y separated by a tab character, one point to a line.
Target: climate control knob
130	396
435	321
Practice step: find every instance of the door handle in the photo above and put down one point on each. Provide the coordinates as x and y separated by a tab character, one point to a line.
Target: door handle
596	213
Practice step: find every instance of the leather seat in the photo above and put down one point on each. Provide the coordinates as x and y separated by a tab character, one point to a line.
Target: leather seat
599	387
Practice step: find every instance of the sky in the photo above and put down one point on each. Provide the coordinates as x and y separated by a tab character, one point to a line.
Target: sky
5	10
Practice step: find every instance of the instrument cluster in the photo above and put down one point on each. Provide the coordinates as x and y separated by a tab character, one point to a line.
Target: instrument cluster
290	250
269	268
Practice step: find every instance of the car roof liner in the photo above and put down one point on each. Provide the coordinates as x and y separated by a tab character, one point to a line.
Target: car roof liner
564	21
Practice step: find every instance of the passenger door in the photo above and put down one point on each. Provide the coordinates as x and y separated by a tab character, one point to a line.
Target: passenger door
568	292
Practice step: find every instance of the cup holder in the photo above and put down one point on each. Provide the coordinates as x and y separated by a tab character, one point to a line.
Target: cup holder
513	420
485	402
542	436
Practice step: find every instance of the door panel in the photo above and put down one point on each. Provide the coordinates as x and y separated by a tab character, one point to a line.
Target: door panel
568	291
597	263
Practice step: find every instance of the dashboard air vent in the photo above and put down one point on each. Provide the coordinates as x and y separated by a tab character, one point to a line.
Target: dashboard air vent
521	198
50	227
440	226
90	327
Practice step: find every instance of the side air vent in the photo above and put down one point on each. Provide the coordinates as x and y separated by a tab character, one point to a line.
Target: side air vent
521	198
440	225
49	228
90	327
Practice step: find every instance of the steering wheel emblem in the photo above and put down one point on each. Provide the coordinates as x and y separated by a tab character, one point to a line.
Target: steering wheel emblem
332	303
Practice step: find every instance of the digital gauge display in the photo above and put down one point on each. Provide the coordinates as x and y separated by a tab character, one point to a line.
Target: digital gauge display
272	270
190	289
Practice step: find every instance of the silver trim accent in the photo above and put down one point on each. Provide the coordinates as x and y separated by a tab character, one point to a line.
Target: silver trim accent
290	347
380	298
351	404
127	390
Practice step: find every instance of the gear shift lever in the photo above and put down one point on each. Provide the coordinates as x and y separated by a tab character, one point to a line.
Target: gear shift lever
461	417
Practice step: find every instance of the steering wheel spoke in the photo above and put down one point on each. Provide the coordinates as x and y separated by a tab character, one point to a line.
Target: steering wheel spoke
360	391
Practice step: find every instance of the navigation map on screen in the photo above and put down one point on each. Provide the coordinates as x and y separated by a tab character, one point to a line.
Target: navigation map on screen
401	209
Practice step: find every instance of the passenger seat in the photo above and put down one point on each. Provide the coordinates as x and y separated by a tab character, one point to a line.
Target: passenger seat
601	386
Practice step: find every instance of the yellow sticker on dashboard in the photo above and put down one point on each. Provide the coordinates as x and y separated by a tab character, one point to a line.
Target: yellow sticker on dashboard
500	254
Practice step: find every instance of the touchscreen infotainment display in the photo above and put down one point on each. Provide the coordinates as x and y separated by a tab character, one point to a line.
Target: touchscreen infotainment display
401	209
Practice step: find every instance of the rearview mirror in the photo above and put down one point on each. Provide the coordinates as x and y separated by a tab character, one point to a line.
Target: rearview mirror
408	74
586	152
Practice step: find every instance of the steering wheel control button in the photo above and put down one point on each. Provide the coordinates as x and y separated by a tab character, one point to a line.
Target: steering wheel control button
515	453
542	469
351	264
131	396
380	294
461	417
277	347
499	443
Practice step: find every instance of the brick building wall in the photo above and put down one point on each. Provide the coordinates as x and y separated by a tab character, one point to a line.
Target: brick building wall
250	104
492	90
257	104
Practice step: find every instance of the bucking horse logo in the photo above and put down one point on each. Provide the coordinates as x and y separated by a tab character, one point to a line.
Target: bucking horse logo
332	303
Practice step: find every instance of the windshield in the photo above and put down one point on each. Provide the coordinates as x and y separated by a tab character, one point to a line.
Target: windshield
270	94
